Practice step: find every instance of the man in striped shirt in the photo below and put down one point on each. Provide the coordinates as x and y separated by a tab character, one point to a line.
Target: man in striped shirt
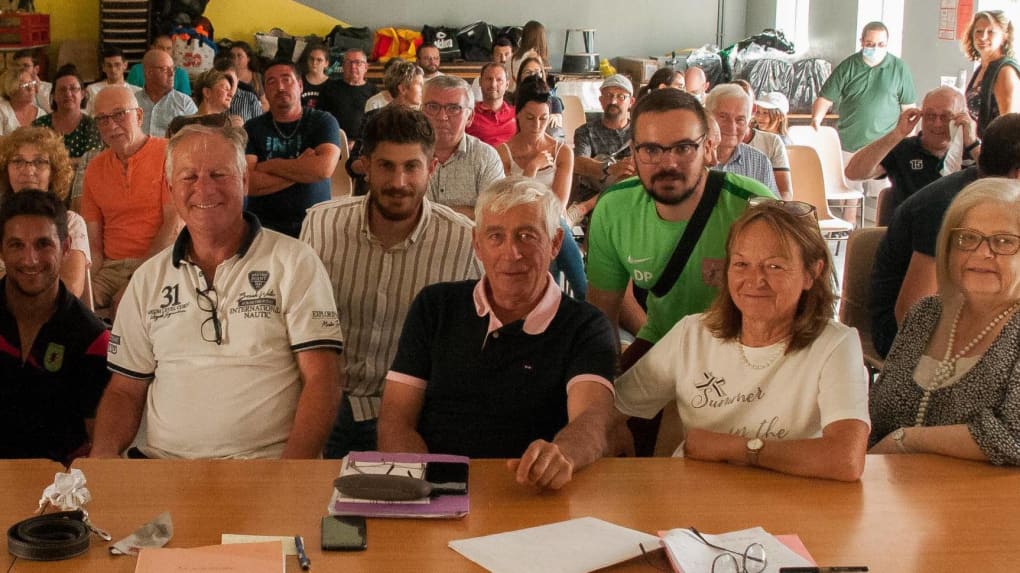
380	250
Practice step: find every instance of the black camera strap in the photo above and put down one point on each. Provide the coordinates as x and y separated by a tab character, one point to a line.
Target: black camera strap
50	537
689	238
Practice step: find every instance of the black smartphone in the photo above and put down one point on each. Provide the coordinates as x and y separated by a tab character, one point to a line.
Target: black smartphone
447	478
343	533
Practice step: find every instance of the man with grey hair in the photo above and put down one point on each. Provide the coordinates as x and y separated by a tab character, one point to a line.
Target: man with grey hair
731	107
508	366
127	211
913	161
250	304
159	101
345	97
466	164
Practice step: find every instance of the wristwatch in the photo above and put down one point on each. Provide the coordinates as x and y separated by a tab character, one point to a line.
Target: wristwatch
605	170
897	436
754	447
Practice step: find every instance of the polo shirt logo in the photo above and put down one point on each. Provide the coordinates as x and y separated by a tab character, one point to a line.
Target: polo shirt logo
917	164
54	357
258	279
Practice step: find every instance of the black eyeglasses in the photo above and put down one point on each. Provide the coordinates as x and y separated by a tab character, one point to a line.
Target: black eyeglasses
208	300
652	153
795	208
969	240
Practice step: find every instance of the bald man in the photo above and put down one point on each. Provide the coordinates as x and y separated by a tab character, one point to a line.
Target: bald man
159	101
696	82
911	162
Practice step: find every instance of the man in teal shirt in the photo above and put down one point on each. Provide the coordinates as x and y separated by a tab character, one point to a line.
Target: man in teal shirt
870	89
637	222
136	75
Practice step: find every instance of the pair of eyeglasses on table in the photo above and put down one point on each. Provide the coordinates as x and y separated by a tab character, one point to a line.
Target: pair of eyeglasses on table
751	560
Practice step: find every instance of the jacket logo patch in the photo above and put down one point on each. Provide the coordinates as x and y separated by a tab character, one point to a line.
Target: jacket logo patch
258	279
54	357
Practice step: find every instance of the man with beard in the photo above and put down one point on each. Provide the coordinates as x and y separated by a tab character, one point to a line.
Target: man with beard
495	121
429	60
292	152
465	164
379	251
637	223
52	349
911	162
602	145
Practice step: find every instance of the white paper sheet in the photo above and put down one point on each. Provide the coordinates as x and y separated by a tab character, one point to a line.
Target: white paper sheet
690	554
575	546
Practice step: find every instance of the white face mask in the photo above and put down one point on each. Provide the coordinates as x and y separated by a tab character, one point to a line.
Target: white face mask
873	56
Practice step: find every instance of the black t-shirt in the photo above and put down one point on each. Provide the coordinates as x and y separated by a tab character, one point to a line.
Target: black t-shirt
910	167
44	402
311	93
914	227
346	103
491	397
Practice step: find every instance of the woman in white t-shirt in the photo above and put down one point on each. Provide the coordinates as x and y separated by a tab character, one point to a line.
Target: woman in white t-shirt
765	377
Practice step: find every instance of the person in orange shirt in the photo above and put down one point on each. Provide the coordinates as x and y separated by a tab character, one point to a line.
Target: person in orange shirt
126	204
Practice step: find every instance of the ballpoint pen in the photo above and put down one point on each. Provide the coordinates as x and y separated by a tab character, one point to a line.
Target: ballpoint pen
302	557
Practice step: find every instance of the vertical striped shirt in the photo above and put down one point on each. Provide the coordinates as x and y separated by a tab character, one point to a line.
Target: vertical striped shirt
374	286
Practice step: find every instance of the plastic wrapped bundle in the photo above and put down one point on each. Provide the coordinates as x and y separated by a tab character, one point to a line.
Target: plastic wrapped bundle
708	59
768	75
808	77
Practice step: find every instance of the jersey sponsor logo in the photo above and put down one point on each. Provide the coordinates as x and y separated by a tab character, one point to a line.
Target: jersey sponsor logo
54	357
258	279
259	304
632	261
641	278
329	318
917	164
713	272
170	303
113	345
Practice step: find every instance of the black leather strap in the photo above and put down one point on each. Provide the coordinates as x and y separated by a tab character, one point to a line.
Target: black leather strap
50	537
685	246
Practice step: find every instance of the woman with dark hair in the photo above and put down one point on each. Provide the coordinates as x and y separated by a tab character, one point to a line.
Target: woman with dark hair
765	377
533	45
994	89
316	62
663	78
533	67
35	158
533	153
247	67
79	130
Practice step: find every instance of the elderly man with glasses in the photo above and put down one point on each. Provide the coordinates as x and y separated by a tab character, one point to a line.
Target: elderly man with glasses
466	165
345	98
229	341
159	101
125	205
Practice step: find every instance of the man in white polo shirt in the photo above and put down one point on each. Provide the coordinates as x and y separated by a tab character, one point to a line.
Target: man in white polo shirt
229	339
380	250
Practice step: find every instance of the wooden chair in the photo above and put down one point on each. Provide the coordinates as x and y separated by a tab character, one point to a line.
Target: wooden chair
341	183
809	187
573	117
855	306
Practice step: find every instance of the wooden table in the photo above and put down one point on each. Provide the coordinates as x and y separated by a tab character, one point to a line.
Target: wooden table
908	514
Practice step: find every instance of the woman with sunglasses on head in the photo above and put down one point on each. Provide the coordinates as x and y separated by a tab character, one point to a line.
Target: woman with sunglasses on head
951	382
994	89
35	158
765	377
533	67
17	104
532	152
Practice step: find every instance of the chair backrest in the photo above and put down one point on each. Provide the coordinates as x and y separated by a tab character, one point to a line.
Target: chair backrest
671	432
573	117
825	141
802	134
885	208
855	303
807	178
341	184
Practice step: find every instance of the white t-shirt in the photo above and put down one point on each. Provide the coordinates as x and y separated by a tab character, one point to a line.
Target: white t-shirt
236	399
380	100
794	397
773	147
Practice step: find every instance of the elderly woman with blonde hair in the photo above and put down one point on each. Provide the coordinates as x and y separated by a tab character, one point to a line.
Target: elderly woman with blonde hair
765	377
17	104
951	382
35	158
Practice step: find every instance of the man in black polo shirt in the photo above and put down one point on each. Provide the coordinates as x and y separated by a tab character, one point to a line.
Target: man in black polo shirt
345	98
52	349
509	366
911	162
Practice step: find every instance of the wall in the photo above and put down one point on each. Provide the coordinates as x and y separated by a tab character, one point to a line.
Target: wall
761	14
833	25
926	55
240	19
632	28
69	21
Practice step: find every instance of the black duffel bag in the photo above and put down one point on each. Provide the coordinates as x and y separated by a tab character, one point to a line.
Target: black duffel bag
341	39
443	38
475	42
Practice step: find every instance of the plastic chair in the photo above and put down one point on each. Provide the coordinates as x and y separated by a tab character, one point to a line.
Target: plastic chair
855	306
341	184
573	117
809	186
825	140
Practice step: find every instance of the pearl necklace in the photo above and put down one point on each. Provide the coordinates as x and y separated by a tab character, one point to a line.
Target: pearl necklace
946	368
753	366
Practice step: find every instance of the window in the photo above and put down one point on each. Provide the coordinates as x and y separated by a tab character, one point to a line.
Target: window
792	20
890	13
